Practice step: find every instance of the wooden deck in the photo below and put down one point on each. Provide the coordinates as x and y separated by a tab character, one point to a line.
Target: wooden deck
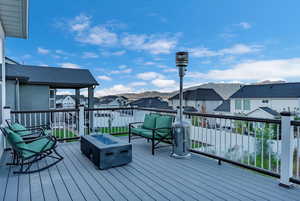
146	178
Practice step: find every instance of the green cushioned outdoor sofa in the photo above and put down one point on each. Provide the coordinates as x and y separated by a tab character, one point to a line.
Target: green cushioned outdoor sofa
155	127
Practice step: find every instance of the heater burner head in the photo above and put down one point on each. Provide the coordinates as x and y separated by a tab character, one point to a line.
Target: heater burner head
182	59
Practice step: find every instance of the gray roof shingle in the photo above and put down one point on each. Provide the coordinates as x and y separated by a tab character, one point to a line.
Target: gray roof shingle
52	76
152	102
224	107
199	94
281	90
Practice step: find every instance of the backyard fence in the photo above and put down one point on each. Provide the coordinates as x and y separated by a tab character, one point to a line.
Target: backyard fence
266	145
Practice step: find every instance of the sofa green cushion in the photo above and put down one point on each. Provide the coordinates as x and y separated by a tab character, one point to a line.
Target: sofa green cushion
164	122
20	129
38	146
149	121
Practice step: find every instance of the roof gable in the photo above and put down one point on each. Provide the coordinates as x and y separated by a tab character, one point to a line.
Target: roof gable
224	107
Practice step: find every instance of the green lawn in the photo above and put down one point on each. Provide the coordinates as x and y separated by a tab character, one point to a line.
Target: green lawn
63	133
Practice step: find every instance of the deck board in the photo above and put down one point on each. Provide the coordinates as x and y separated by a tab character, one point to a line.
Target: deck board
148	177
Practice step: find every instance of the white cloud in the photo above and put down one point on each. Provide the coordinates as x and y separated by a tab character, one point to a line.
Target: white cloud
137	84
116	89
245	25
150	76
104	35
122	66
155	44
241	49
127	70
162	83
113	53
63	92
236	49
104	77
280	69
87	55
41	50
95	35
170	70
98	36
69	65
80	23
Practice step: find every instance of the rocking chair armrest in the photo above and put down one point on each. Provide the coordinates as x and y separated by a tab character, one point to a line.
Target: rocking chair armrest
35	139
28	129
43	126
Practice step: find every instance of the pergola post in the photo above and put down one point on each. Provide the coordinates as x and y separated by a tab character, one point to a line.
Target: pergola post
91	105
77	98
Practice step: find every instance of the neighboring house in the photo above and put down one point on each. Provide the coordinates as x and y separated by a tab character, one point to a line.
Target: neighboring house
224	108
65	101
266	100
34	87
69	101
204	100
151	102
111	101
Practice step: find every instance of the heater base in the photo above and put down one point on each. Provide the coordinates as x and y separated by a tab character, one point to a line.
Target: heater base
186	156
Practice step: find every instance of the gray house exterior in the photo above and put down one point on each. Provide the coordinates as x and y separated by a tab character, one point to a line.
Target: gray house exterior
34	87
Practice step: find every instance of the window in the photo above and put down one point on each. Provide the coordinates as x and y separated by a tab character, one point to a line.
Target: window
52	104
246	104
238	104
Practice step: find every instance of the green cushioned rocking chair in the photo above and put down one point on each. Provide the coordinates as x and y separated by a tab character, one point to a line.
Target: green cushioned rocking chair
156	127
28	132
29	152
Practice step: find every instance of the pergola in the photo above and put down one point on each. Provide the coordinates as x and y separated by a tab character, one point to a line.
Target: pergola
13	23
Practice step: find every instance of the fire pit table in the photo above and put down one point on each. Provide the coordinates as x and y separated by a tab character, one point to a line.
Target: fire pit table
105	150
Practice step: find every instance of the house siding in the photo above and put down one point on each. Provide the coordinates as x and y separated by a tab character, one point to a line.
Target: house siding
34	97
278	104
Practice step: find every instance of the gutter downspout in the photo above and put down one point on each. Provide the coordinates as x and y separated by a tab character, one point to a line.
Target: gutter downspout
17	95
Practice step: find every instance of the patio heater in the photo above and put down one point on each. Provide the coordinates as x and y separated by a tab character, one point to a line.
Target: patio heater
181	128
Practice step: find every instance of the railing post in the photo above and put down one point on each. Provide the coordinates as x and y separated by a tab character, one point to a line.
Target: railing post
81	120
287	138
6	116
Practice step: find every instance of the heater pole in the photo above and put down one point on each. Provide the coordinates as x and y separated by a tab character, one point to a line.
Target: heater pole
181	74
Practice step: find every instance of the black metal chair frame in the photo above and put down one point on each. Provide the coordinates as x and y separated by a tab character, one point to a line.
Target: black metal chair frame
18	159
154	140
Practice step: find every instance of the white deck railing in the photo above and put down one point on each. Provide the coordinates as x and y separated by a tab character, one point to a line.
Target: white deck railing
266	145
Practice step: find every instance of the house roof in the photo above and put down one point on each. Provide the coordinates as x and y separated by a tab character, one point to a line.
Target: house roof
270	111
199	94
152	102
280	90
224	107
53	76
108	99
14	17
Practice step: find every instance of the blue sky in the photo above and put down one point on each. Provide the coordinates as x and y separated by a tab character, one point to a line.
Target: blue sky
129	46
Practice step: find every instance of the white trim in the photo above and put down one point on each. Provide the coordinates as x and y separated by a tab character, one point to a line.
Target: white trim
3	73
